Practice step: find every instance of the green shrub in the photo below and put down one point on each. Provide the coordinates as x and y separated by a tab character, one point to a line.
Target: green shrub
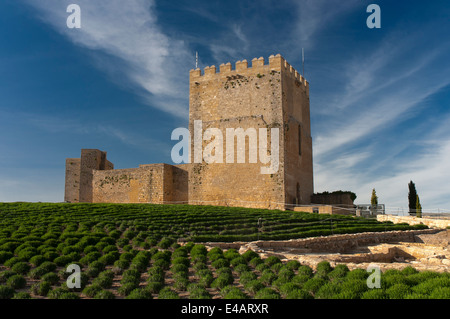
21	268
167	293
428	286
220	263
51	277
360	274
241	268
206	280
214	251
198	265
277	267
120	266
298	294
254	262
179	268
398	291
279	282
37	260
440	293
131	276
420	277
300	279
104	280
181	261
95	268
222	281
198	249
267	277
238	261
110	248
305	270
393	279
328	291
197	259
409	270
6	292
313	285
338	273
156	270
181	283
165	243
51	255
250	255
198	292
154	287
254	286
416	296
285	274
90	249
353	288
224	271
127	256
261	267
162	263
139	265
293	265
5	255
42	288
374	294
105	294
92	290
127	288
267	293
5	275
272	260
17	282
63	261
180	252
69	295
231	292
324	266
288	287
247	277
22	295
140	293
231	254
189	246
109	258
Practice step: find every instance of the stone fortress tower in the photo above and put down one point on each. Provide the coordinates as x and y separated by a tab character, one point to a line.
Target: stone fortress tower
272	95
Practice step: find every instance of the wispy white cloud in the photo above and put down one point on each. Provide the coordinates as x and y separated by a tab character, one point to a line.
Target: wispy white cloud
378	91
314	15
128	32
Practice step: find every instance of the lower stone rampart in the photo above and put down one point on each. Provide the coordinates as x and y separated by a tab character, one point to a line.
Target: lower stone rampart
335	243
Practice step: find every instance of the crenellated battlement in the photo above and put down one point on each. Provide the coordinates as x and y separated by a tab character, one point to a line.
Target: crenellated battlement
276	63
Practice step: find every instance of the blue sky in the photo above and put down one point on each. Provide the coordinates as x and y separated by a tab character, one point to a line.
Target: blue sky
380	98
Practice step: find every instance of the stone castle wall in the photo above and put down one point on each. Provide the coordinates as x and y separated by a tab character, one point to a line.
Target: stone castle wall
154	183
72	186
268	96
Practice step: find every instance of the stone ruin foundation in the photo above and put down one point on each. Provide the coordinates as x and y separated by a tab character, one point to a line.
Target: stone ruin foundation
422	249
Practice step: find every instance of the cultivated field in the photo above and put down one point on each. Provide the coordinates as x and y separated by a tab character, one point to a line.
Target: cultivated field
131	251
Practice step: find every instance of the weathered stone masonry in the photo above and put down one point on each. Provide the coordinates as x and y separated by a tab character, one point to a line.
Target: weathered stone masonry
271	95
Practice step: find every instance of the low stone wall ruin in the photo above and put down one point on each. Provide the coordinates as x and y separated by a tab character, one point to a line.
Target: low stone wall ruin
430	222
334	243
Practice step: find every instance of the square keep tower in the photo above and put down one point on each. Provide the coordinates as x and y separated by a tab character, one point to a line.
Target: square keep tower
272	95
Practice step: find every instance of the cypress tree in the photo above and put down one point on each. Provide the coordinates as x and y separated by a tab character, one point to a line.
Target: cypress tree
412	198
418	208
374	199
